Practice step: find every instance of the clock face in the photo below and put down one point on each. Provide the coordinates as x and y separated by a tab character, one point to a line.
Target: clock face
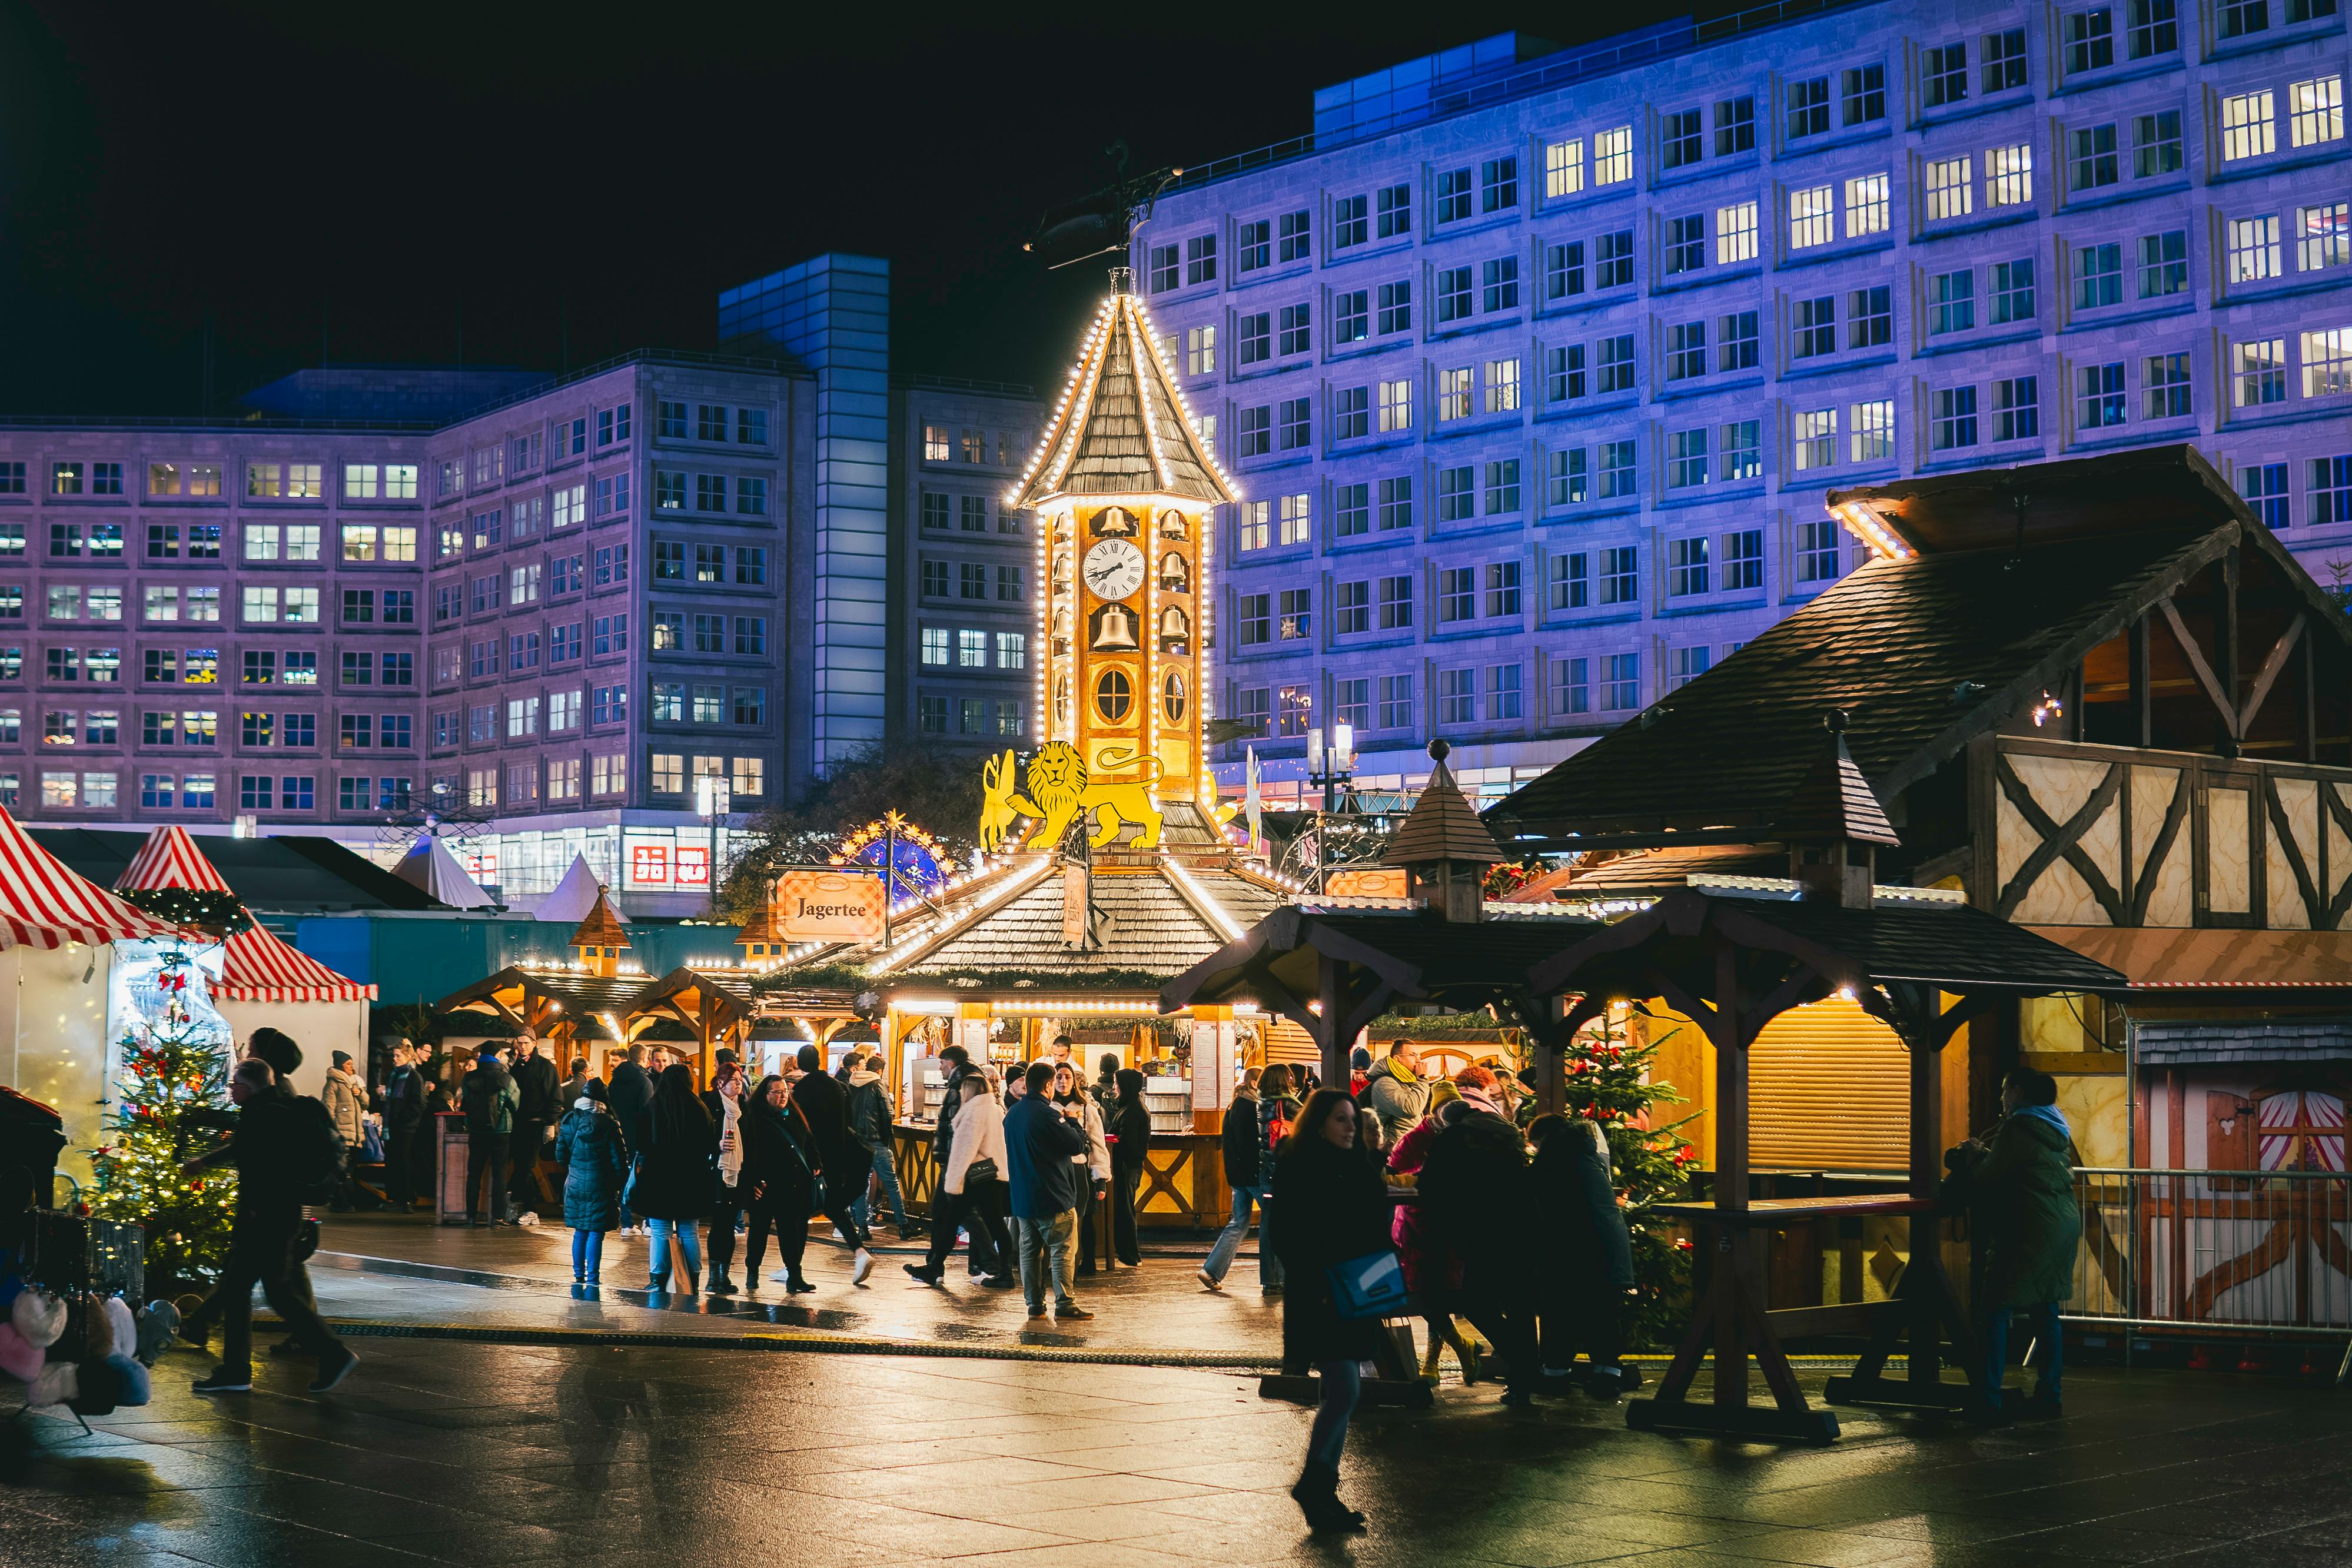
1114	569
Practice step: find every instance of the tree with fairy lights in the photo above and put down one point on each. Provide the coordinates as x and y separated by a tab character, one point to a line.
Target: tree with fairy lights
173	1093
1608	1080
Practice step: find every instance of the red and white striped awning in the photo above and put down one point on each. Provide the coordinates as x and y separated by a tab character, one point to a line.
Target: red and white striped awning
170	859
44	904
257	967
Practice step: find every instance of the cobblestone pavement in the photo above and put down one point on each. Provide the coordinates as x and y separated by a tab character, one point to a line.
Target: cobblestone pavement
589	1455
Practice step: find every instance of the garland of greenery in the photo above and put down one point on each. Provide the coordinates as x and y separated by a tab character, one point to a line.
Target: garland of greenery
1439	1026
191	907
839	976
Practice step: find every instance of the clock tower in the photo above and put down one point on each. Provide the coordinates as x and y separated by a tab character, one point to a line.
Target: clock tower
1124	494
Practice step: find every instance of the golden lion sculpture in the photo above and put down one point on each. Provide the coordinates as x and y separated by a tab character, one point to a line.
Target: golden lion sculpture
1059	792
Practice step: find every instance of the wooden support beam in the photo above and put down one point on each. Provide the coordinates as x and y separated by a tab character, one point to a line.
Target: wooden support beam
2310	707
2143	707
2273	663
2223	705
2226	654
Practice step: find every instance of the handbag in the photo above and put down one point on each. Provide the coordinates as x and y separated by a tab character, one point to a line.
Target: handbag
980	1170
371	1145
1371	1285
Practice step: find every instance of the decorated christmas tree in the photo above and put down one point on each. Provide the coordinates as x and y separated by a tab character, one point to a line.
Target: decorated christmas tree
1608	1080
173	1089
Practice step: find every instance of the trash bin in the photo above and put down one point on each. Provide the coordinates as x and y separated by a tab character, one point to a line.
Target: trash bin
450	1146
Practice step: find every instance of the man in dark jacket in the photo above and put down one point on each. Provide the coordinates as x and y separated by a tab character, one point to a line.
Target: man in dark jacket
1473	1189
869	1128
1040	1138
842	1159
630	1091
537	1110
402	1101
2022	1196
281	1143
489	1099
1249	1168
1584	1256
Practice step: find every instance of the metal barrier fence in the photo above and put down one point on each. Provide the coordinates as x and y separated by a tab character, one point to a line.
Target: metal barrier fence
2244	1250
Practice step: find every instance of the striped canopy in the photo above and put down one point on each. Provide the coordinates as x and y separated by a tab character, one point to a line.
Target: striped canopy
257	967
43	904
170	859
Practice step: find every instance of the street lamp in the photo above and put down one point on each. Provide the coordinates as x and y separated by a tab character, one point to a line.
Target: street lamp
712	800
1331	768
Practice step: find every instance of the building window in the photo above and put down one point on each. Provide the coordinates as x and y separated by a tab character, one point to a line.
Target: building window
1815	326
1612	260
1951	302
2013	291
1201	260
1680	138
1351	317
2164	383
1869	318
1686	567
1453	196
1817	551
1863	94
1458	696
2017	408
2099	276
1396	502
2099	401
1685	248
2246	128
2004	60
1617	470
2258	373
1502	692
1564	169
1612	156
2090	40
1735	125
1392	207
2155	144
2155	29
2327	362
1865	205
1571	689
1297	423
1741	456
1498	185
1816	439
2163	264
2009	175
1297	336
1954	418
2253	249
2314	111
1950	191
1685	665
1743	561
2264	487
1812	216
1734	234
1808	108
1456	498
2091	160
1621	682
2331	491
1944	73
1685	350
1870	427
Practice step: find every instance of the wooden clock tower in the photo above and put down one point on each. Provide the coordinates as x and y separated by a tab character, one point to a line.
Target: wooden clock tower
1124	494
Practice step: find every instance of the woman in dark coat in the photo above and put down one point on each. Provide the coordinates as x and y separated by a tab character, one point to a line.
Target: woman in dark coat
588	1146
677	1182
779	1175
1334	1207
1128	1129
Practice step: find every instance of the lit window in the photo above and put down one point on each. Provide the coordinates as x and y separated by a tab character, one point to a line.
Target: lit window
2009	175
1950	192
1812	216
2246	129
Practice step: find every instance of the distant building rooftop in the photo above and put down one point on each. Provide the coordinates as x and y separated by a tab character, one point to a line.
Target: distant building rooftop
392	393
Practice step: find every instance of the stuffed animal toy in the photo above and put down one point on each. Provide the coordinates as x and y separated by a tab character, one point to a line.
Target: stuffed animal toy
39	1317
125	1330
157	1325
136	1388
58	1383
19	1358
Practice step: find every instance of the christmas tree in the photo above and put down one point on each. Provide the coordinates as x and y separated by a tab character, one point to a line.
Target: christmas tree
174	1089
1608	1080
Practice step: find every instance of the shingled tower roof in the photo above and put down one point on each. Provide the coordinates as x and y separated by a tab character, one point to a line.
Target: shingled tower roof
1833	801
1442	826
602	926
1120	429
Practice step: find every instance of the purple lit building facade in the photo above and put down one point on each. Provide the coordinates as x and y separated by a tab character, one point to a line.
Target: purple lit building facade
1535	365
550	606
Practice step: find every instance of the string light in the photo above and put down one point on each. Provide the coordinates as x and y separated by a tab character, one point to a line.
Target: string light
1867	526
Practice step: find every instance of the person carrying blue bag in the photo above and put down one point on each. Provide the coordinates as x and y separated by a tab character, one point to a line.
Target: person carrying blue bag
1333	1236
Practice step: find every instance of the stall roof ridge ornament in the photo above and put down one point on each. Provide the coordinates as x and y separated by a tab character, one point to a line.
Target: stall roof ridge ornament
1121	427
1442	826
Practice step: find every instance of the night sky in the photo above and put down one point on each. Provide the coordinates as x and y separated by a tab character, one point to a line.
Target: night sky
535	186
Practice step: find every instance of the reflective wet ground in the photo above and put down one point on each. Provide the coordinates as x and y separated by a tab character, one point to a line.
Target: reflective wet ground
588	1454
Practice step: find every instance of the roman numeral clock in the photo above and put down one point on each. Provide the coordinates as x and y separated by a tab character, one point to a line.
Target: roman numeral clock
1124	494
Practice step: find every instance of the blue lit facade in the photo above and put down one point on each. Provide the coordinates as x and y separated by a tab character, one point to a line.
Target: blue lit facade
1534	367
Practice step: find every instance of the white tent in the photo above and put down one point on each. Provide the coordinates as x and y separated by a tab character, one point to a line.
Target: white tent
574	897
431	866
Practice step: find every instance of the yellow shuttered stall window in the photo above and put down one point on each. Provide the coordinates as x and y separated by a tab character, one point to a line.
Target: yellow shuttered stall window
1286	1042
1829	1086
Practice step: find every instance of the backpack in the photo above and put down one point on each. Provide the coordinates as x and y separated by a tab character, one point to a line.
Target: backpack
1277	1124
314	1151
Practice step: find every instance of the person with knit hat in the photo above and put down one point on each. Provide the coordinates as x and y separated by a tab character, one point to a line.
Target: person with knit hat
1432	1275
1359	1073
346	1098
